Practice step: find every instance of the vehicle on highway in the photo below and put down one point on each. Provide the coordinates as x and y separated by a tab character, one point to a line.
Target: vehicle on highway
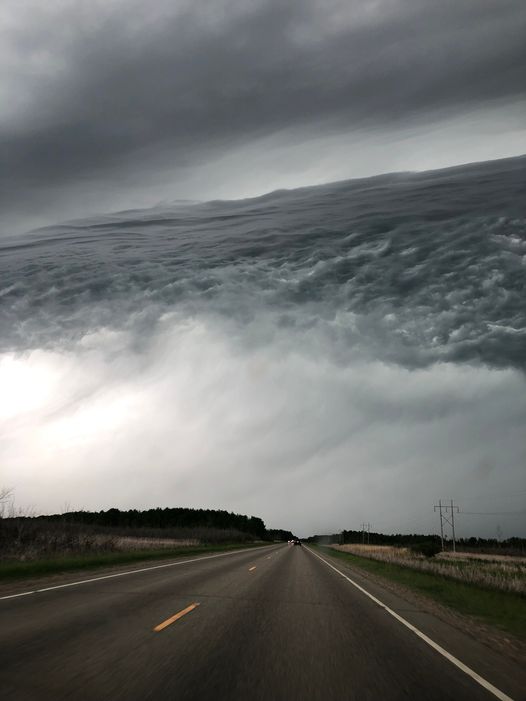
296	541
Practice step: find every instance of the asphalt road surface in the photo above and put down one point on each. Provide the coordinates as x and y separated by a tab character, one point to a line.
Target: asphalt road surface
274	623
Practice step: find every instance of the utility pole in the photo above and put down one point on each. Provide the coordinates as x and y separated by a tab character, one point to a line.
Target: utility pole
453	522
364	526
439	507
448	517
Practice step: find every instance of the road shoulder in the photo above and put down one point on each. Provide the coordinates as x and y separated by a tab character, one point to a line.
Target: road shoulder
491	653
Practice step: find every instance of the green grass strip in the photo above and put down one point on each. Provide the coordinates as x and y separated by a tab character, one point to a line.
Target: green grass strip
503	610
23	570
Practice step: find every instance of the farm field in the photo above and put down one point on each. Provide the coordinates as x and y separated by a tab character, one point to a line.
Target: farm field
499	572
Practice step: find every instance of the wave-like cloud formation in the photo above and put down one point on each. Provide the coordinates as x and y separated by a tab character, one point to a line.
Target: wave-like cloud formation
322	355
408	269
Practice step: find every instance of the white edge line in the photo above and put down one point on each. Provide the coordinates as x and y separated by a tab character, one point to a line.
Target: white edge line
467	670
122	574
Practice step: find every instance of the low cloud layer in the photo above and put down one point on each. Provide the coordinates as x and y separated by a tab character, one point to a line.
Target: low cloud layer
279	431
111	103
318	358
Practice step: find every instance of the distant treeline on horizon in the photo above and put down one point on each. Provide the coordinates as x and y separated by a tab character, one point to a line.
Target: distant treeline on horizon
177	517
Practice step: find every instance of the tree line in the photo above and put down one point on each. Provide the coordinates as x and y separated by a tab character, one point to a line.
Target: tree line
413	539
173	517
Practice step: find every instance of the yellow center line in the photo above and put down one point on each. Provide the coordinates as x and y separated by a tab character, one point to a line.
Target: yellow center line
251	568
175	617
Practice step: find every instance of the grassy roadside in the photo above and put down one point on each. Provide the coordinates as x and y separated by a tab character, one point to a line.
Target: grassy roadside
503	610
10	571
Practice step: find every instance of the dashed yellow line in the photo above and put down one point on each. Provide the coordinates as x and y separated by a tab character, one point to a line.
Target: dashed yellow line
251	568
175	617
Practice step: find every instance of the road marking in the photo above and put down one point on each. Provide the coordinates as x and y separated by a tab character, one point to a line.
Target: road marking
123	574
175	617
467	670
251	568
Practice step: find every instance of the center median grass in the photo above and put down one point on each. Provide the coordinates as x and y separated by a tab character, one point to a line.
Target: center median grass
503	610
10	571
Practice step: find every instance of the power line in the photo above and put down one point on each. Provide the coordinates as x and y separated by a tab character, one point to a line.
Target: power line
493	513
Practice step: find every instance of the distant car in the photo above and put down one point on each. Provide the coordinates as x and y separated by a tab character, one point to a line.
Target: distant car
296	542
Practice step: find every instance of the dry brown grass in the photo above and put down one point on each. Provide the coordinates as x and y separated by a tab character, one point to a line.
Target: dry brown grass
132	543
23	540
382	552
502	573
484	557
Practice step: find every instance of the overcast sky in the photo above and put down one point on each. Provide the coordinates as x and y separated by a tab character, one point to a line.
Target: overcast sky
117	103
319	358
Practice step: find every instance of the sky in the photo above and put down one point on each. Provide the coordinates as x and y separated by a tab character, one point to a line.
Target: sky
107	105
171	375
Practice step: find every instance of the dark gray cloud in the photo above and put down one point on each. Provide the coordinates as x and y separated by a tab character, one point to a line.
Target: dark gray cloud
318	357
410	269
106	95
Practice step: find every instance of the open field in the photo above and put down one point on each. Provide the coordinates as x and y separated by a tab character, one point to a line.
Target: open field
500	606
33	539
501	573
23	570
485	557
125	543
32	547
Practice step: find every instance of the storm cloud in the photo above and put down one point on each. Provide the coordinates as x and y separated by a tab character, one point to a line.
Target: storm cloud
319	356
110	104
322	357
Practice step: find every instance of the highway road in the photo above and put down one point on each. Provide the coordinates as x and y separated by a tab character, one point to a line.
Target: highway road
273	623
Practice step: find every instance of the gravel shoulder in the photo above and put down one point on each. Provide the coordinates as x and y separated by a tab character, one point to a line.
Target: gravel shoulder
495	639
